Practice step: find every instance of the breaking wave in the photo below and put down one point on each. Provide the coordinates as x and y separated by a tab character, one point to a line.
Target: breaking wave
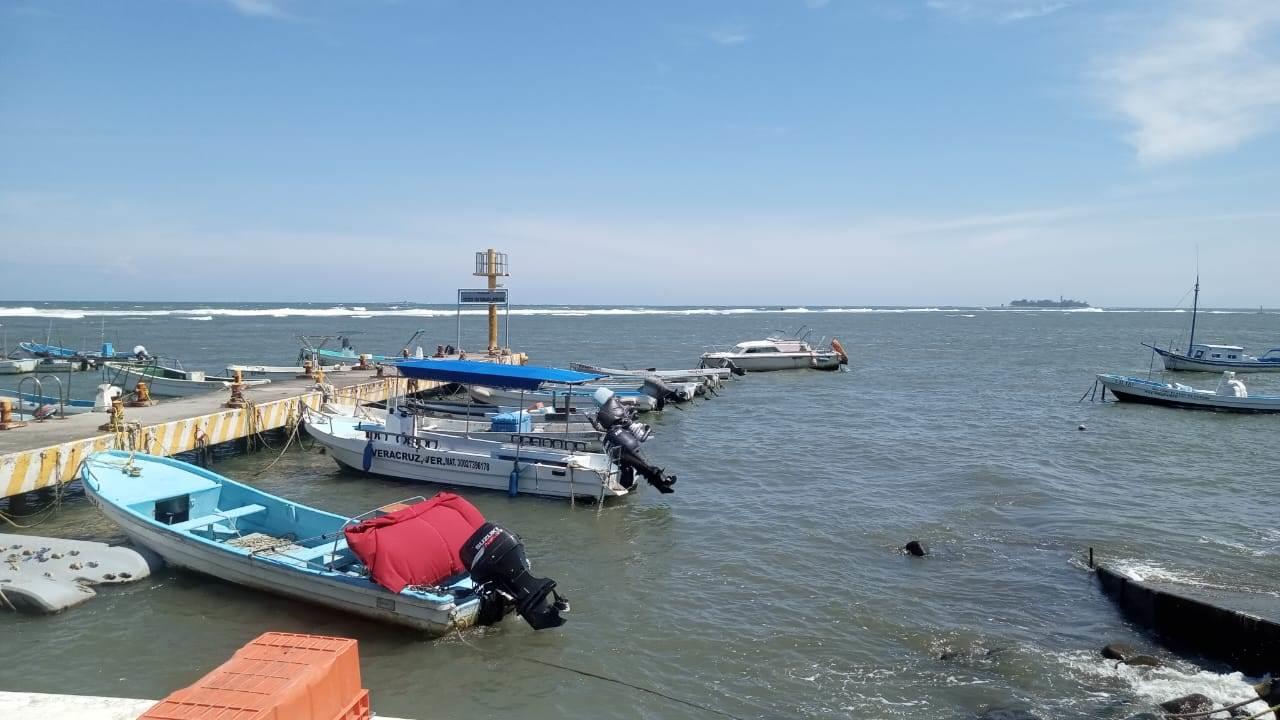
363	311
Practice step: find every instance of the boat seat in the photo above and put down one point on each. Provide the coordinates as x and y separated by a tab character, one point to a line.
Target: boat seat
308	554
216	517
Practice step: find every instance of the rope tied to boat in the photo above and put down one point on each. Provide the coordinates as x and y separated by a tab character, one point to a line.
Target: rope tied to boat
597	676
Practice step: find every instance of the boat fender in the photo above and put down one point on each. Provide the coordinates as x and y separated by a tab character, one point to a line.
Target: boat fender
482	392
513	481
844	357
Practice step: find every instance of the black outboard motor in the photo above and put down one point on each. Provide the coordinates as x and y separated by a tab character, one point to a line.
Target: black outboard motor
622	433
660	391
501	573
628	445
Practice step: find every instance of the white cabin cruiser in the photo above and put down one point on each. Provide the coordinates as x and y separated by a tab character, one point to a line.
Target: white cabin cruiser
777	353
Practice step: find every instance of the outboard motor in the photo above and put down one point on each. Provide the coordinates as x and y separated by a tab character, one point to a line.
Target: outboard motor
660	391
622	433
501	573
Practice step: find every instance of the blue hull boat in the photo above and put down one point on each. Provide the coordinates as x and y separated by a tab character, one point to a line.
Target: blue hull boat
201	521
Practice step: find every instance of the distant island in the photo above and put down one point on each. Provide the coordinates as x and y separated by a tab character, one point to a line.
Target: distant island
1061	302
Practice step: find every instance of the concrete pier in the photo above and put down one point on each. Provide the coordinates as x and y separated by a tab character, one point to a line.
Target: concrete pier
1238	628
46	454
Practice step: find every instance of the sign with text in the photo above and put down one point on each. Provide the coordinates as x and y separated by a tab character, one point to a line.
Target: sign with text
483	296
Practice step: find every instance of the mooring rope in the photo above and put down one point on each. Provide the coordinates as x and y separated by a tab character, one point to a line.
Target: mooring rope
598	676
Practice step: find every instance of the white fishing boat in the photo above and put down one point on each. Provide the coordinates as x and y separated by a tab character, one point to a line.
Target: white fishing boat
278	372
1204	357
525	464
577	397
1230	395
778	353
165	381
433	565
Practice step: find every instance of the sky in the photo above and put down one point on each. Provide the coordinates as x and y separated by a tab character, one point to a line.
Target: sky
790	152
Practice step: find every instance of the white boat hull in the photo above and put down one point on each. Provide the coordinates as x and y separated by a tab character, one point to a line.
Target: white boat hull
469	463
263	575
1130	389
1178	361
768	362
19	366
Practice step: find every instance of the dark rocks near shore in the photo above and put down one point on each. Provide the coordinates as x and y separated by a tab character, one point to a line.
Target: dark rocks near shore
1119	651
916	548
1193	703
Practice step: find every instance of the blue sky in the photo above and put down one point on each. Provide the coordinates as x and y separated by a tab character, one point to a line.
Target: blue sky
773	152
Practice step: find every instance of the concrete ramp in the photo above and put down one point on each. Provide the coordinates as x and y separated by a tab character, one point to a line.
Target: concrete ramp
48	575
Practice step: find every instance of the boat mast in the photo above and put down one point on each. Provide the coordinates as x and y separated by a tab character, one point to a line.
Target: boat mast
1195	306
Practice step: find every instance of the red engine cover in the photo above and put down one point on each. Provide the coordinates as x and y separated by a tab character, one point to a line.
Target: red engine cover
417	545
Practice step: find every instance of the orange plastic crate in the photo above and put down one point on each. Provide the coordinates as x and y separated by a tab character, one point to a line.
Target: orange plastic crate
278	676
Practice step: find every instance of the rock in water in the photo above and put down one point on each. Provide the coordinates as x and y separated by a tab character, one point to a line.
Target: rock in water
1119	651
1143	660
1193	703
916	548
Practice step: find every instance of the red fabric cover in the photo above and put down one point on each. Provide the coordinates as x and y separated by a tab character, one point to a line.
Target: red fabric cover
417	545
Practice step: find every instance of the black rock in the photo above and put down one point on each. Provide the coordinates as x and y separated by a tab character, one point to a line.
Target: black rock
916	548
1119	651
1193	703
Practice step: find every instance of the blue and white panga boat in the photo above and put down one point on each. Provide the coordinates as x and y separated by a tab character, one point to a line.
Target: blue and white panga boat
434	565
1230	395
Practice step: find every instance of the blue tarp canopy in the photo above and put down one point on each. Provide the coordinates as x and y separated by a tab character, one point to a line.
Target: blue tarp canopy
470	372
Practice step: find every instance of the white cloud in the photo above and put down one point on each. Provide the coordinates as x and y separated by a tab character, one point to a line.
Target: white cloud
1002	11
729	34
1205	79
259	8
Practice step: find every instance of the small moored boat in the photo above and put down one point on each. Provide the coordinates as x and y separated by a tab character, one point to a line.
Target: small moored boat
434	565
172	382
18	366
1230	395
777	353
522	463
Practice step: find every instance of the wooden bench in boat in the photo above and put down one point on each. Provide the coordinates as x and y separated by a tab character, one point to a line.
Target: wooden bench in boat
307	554
216	517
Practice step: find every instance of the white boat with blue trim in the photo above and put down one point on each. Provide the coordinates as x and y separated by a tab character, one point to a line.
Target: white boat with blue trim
201	521
526	463
1230	395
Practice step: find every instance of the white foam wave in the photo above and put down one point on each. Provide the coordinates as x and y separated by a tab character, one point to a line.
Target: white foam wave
361	311
1147	571
199	317
1156	685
